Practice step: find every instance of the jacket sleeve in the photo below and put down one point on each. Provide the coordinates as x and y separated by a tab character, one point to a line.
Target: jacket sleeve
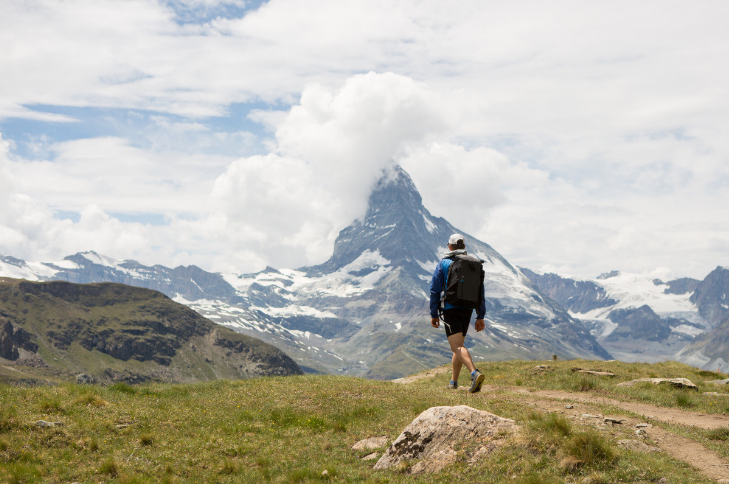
436	287
481	313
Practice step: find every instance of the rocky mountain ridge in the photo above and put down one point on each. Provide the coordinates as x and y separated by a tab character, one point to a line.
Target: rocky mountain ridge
640	318
365	310
116	332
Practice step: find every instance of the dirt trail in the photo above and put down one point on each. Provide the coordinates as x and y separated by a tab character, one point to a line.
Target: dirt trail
706	461
419	376
664	414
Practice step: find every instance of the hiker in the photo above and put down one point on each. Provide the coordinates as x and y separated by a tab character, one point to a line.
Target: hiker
456	318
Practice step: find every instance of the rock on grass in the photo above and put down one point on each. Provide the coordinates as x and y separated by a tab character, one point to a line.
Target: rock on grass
430	438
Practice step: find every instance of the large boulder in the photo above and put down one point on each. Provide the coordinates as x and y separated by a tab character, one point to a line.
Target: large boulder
431	437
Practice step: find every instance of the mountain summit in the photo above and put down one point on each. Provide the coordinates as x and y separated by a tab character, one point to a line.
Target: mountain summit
365	311
396	225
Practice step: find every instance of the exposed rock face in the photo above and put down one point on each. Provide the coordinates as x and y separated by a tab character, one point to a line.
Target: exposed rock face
84	379
431	436
683	285
575	296
12	338
638	323
711	296
709	350
173	341
674	382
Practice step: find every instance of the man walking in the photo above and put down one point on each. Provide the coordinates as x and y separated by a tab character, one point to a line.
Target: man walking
456	319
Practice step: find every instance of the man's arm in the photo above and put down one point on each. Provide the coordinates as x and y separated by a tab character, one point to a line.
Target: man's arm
436	287
481	313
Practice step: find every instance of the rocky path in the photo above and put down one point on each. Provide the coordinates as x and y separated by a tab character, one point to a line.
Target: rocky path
664	414
706	461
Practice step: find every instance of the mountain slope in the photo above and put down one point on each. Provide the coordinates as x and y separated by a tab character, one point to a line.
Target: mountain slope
117	332
378	279
711	350
365	311
634	316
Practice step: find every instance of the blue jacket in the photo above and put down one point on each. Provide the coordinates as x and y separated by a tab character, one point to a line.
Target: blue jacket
437	286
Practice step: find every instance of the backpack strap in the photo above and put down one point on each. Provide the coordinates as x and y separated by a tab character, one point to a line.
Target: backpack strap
441	306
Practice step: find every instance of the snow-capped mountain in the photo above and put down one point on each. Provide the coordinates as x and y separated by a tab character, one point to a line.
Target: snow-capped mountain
365	310
711	350
639	318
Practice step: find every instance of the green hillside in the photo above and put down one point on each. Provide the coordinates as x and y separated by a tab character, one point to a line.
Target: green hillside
52	331
293	429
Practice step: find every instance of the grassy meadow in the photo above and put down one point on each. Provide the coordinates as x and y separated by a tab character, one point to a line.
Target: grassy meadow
301	429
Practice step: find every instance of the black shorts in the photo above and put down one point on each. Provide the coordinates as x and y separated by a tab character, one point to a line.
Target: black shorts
457	320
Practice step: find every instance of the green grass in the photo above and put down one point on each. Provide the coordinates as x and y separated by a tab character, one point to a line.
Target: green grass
284	430
520	373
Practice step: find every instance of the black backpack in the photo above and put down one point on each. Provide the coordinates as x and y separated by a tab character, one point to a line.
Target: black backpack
464	282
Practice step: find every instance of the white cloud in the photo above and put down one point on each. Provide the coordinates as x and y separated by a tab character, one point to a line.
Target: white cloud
465	185
110	173
332	148
592	133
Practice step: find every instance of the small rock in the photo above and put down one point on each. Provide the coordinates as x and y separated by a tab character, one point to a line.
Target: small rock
719	382
641	433
588	415
371	456
613	421
643	426
43	423
325	473
674	382
637	445
569	406
84	379
593	372
371	443
662	480
542	368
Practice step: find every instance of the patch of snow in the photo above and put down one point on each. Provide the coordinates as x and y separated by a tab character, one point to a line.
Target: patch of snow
101	260
686	329
635	290
607	329
66	264
295	310
428	266
398	326
430	226
15	272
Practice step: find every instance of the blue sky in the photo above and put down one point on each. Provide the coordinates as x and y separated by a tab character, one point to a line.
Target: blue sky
234	134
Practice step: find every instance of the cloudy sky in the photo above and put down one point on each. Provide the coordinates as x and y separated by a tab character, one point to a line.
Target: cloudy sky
232	134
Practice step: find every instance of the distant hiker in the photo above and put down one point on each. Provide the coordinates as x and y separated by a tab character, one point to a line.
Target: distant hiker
459	277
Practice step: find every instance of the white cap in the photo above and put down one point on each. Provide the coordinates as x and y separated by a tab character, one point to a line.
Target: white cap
455	238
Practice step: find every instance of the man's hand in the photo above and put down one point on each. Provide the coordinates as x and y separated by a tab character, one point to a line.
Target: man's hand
480	325
435	322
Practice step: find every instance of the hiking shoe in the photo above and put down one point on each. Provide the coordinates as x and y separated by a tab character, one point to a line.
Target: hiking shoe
476	381
453	385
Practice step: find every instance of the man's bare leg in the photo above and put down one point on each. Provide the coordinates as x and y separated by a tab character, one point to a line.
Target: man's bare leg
461	356
457	364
